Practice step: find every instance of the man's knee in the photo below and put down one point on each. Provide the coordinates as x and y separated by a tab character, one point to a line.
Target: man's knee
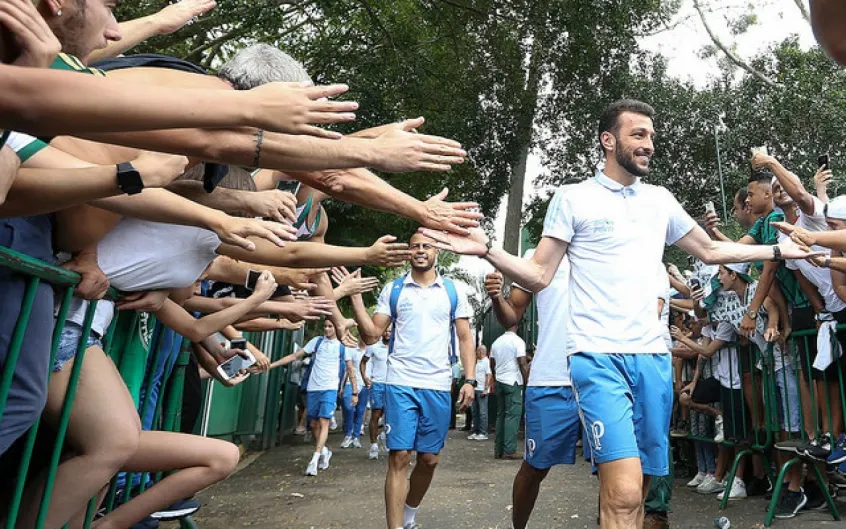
622	495
530	474
399	459
428	461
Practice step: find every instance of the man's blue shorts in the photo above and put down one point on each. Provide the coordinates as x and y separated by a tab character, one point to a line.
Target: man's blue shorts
552	426
322	404
626	401
417	419
377	396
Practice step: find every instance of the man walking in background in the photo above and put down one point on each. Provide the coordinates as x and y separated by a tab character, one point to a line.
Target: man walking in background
510	369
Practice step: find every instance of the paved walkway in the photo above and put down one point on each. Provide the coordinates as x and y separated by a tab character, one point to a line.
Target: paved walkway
470	490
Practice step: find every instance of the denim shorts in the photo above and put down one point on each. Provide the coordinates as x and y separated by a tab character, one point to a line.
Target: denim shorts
787	396
70	342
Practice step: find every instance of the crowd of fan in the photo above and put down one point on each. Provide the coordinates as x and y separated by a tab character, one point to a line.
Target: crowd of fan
731	329
202	237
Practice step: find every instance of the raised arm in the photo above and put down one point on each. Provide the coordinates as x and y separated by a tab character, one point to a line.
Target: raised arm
789	181
370	328
508	311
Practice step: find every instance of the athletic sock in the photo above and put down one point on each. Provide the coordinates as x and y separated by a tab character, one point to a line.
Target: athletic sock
408	514
324	451
374	445
316	457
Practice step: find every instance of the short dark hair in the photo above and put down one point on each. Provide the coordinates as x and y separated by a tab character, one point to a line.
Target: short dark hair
761	176
741	195
610	120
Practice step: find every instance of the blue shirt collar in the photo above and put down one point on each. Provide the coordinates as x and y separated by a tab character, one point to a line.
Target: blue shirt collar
613	185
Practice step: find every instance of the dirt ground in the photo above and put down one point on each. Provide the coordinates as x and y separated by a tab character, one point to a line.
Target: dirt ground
470	490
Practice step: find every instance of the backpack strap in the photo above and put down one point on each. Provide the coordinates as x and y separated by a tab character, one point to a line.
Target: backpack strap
453	306
396	290
307	372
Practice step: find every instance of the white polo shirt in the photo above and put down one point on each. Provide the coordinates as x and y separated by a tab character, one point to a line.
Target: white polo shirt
549	365
378	355
325	364
483	369
724	362
819	276
505	351
617	236
420	358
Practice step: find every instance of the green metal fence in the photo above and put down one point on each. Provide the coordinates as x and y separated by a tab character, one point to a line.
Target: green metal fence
127	343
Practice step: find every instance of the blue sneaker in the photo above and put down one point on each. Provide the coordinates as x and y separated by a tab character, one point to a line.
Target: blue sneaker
178	510
838	453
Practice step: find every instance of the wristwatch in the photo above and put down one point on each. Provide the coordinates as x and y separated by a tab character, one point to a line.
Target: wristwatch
487	248
753	314
776	253
129	179
471	381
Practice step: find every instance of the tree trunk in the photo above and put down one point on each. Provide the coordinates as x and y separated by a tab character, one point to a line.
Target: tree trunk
525	124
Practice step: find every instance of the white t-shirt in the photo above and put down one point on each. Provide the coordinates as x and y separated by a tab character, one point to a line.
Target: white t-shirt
505	351
616	239
727	363
422	341
326	364
483	369
549	365
724	332
820	277
357	355
665	294
378	363
139	255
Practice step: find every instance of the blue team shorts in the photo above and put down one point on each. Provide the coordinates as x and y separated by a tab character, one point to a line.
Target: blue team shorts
417	419
552	426
377	396
322	404
626	401
69	342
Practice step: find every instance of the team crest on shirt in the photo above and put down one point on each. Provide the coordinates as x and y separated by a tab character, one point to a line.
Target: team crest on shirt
600	226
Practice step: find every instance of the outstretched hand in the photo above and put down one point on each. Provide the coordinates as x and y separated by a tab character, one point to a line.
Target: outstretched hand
474	243
791	249
175	16
454	217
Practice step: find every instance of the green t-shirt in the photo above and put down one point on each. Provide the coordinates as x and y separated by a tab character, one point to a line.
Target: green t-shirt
70	63
765	233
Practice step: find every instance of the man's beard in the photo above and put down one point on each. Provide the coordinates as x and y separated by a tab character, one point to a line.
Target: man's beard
625	159
422	268
70	31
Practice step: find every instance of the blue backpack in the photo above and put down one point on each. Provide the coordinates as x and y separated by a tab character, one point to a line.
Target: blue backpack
307	372
396	290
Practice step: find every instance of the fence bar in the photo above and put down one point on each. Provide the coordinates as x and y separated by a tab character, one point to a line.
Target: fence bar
16	342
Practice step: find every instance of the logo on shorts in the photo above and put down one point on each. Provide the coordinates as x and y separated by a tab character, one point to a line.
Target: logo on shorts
530	447
598	431
387	428
145	330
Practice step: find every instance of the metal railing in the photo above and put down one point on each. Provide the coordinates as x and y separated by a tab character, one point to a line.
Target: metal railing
128	344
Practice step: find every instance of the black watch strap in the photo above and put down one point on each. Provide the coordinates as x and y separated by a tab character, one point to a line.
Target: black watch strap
129	179
471	381
776	253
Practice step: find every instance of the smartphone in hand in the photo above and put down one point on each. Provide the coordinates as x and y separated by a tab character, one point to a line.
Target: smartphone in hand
823	162
232	367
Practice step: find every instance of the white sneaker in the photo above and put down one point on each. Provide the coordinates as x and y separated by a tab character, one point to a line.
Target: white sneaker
324	460
737	492
710	485
347	442
356	443
481	437
333	424
374	451
471	437
383	443
311	469
720	436
697	480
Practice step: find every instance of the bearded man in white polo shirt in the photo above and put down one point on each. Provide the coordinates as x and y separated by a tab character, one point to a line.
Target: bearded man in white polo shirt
613	228
427	313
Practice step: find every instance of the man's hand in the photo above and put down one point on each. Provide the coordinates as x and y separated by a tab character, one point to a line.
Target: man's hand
771	334
151	301
386	252
797	248
401	150
352	283
265	286
822	178
466	396
747	326
262	362
354	399
345	335
367	382
493	284
290	108
712	222
94	283
676	333
799	235
159	169
175	16
454	217
818	260
697	294
37	44
688	388
474	243
274	204
299	279
763	161
234	231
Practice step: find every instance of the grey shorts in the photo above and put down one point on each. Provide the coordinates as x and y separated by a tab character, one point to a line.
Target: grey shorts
69	343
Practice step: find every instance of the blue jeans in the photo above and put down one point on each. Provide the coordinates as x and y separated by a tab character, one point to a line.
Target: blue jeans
354	415
480	414
706	457
28	393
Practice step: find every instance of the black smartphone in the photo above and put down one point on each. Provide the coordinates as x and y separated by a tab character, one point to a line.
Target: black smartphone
822	161
694	283
252	279
238	343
